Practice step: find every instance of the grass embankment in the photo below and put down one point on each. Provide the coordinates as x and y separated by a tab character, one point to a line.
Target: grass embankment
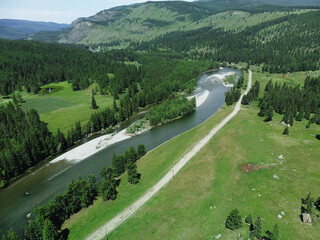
152	166
63	107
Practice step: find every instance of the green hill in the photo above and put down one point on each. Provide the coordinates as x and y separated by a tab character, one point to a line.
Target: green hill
120	26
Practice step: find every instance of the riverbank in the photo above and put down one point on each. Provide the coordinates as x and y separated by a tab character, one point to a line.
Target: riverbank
152	167
109	226
89	148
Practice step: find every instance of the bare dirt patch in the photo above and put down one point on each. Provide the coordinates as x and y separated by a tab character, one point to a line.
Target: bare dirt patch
248	167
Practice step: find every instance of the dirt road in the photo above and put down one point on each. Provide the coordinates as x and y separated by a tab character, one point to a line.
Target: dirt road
126	213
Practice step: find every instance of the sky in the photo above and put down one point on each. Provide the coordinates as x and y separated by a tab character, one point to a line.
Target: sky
60	11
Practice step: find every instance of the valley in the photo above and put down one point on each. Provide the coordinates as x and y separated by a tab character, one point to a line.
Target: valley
138	121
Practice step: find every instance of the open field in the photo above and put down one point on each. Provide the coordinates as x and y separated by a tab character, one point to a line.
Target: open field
61	109
196	203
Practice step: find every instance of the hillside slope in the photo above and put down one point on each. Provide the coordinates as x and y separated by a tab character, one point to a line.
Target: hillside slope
119	26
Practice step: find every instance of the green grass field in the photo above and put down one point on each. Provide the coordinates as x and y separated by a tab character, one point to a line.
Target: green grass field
61	109
196	203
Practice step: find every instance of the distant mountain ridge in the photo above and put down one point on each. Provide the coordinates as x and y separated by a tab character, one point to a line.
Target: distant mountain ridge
279	2
19	29
120	26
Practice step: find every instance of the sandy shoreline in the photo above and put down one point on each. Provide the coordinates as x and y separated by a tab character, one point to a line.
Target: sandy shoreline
89	148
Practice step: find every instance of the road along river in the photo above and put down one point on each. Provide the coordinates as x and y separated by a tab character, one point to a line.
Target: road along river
52	178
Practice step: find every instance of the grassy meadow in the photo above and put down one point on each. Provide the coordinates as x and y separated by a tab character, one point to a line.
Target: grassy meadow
63	107
196	203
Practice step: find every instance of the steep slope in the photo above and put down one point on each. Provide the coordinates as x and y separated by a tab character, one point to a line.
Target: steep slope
17	29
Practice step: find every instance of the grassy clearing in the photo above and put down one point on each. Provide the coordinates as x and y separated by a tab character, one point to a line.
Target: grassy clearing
196	203
152	166
63	107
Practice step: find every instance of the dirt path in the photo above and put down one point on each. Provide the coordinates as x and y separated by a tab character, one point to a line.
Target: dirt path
125	214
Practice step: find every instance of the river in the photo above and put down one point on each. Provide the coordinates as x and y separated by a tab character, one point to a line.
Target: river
51	179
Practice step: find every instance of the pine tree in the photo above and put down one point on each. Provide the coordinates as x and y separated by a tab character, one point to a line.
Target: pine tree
257	228
133	175
115	107
286	131
233	221
141	150
308	203
108	189
93	102
248	219
269	114
275	232
50	231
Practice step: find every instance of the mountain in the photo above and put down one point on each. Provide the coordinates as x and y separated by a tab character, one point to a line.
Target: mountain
18	29
121	26
281	2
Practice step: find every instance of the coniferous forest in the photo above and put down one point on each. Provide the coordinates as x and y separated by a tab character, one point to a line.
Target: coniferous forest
25	140
294	103
286	44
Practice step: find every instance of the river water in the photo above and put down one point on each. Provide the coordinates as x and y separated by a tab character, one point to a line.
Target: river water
51	179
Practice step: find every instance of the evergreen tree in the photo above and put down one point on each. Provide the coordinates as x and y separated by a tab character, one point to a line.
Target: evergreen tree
133	175
93	102
118	164
141	150
108	190
115	107
269	114
233	221
308	203
248	219
257	228
286	131
50	231
275	233
62	143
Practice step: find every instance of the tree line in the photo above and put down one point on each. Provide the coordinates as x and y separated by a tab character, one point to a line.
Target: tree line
234	221
81	193
293	102
171	109
29	65
24	141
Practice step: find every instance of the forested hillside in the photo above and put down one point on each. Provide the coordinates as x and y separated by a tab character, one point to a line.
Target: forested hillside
30	65
289	43
144	22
